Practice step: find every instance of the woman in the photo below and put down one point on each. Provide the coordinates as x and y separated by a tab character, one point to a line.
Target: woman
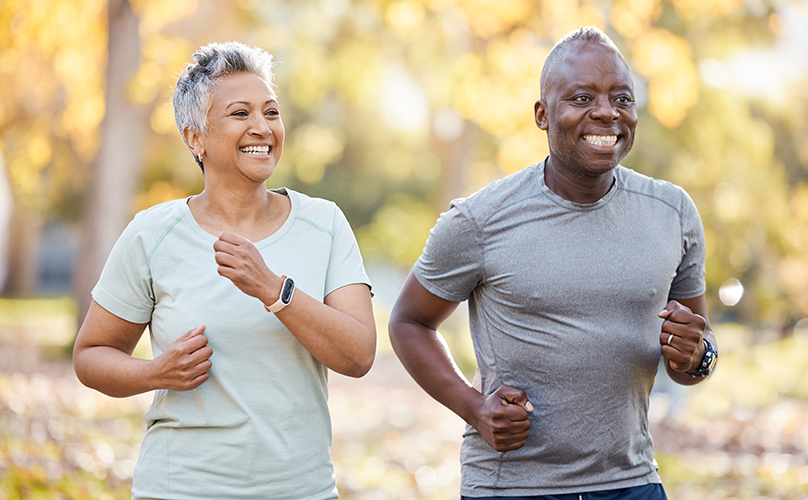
242	332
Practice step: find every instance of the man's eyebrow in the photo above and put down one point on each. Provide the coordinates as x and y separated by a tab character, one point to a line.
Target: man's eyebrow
588	86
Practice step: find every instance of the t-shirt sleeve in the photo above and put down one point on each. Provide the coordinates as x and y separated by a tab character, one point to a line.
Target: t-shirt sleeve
345	266
689	281
451	265
125	285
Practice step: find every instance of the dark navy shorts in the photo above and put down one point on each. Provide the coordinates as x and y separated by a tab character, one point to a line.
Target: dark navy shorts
645	492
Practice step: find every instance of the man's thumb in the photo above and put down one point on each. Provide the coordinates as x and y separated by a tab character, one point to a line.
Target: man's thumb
518	398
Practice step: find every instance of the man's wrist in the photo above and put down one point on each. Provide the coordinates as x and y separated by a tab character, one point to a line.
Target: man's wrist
472	408
696	363
708	361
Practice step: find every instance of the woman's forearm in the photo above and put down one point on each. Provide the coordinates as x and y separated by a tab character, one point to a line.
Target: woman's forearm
102	357
112	372
339	332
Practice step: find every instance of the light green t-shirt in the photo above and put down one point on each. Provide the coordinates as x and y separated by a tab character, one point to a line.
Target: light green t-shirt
259	427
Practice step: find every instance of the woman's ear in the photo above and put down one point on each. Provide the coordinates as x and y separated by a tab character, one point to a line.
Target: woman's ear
194	140
540	109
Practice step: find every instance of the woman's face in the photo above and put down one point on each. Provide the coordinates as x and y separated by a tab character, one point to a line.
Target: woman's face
245	131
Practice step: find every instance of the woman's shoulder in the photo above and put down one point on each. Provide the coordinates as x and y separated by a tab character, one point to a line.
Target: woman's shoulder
314	210
156	219
166	210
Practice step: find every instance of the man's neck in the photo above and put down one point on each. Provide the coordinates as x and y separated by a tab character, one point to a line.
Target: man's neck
577	189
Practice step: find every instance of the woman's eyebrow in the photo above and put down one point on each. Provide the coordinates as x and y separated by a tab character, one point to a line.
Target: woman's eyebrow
247	103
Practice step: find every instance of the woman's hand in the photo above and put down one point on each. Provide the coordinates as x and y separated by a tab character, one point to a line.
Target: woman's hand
102	357
340	332
185	364
241	262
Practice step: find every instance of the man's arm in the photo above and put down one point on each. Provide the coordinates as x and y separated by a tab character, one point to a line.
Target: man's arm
685	326
500	418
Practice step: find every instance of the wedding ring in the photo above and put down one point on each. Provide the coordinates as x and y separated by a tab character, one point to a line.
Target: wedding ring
670	337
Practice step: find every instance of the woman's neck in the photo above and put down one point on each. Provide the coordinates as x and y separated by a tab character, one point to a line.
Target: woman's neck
254	215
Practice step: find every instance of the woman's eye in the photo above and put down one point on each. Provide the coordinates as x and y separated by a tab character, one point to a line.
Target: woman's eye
240	113
272	112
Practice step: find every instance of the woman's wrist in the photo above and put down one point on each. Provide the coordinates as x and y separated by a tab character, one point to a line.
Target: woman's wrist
272	290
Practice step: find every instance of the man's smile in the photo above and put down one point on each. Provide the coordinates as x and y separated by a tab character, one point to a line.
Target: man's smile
601	140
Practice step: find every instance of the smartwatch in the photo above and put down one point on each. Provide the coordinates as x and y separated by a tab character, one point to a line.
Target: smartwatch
708	362
287	291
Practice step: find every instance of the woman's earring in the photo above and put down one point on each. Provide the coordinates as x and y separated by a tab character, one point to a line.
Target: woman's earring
200	157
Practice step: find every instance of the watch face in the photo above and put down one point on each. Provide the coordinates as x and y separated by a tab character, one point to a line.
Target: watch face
712	361
288	288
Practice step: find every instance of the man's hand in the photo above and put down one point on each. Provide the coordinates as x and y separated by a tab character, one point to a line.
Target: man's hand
502	418
185	364
681	337
241	262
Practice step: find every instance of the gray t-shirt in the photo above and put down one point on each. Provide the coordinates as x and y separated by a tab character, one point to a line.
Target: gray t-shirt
259	427
563	302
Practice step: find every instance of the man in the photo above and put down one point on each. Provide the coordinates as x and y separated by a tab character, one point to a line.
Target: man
579	274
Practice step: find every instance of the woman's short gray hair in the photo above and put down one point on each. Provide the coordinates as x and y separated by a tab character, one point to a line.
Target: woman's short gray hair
211	62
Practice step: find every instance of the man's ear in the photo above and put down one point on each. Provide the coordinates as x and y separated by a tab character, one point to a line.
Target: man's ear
540	109
193	138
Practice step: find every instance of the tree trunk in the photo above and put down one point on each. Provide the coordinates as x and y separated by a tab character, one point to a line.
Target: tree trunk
117	166
6	237
456	155
20	250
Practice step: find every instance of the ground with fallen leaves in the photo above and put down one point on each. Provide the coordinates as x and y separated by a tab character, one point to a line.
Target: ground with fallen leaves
743	435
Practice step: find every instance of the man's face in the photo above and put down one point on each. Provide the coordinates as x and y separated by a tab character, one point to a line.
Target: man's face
588	111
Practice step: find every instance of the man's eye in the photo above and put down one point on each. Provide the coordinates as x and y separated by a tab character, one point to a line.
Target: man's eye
581	98
625	99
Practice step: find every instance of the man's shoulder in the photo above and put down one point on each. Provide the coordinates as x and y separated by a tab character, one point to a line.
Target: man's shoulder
505	191
644	185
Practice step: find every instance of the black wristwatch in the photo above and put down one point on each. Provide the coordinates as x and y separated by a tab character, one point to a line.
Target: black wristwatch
707	362
287	292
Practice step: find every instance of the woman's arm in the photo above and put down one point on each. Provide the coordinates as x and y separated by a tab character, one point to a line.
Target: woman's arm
102	357
339	332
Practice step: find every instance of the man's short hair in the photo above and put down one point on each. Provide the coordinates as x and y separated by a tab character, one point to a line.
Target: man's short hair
560	49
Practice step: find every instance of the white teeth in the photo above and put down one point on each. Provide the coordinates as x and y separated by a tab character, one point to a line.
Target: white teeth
601	140
255	150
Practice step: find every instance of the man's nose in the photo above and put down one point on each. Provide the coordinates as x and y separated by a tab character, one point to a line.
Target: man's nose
604	110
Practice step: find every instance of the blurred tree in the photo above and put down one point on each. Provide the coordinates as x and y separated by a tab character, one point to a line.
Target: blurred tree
115	173
394	107
431	99
50	106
